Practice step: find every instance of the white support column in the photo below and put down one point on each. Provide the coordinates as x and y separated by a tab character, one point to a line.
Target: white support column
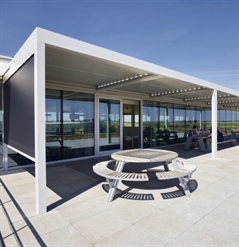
96	126
121	125
214	124
5	156
40	145
141	123
4	146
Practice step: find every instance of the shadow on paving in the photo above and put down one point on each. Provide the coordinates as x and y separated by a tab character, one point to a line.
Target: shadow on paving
13	230
72	178
152	185
191	153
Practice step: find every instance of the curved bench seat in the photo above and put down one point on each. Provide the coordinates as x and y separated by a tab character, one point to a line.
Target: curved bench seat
183	170
113	177
103	170
186	170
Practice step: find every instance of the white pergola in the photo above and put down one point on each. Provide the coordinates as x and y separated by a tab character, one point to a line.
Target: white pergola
76	65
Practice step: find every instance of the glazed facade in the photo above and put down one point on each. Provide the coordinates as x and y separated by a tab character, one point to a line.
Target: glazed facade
80	125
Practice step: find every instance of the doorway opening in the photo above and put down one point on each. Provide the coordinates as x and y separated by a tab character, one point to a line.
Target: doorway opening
131	124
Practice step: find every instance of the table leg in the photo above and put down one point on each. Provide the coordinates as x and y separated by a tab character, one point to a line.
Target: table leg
183	184
201	144
188	142
113	183
166	166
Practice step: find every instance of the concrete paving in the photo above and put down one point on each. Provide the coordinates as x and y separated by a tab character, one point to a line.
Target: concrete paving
142	214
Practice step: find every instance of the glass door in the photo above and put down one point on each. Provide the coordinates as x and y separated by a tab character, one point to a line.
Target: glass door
109	124
131	126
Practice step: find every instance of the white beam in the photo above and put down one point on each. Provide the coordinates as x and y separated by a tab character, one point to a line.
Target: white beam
40	145
214	124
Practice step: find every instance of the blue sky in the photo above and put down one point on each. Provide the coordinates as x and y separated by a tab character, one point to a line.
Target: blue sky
200	38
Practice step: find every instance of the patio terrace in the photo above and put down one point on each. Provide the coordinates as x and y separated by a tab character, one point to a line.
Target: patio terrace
144	214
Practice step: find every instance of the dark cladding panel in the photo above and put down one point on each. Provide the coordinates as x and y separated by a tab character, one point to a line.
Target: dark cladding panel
0	97
19	109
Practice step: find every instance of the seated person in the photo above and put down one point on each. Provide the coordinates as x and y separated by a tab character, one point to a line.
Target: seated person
205	131
208	140
198	133
193	131
219	137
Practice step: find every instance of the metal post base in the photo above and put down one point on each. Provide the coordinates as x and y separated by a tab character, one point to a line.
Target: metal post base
183	184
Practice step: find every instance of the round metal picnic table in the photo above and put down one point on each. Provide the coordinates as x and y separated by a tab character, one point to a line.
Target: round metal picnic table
143	155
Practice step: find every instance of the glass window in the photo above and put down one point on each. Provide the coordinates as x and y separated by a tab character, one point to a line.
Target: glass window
131	115
69	124
234	121
109	122
151	127
206	117
190	117
131	124
221	120
158	124
53	124
180	122
237	121
198	116
167	135
228	123
78	125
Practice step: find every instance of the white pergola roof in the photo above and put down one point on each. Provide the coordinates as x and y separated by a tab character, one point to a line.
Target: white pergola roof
76	65
131	76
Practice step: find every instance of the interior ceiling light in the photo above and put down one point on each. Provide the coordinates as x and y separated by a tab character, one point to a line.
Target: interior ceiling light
226	102
198	98
209	97
175	91
223	96
126	79
230	105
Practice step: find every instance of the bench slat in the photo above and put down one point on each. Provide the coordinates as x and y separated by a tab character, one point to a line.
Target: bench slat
102	170
230	140
186	170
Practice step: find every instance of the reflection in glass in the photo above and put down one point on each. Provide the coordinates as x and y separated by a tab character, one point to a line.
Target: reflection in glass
131	124
150	123
53	124
190	117
234	125
69	124
228	122
221	114
206	118
237	121
109	130
180	121
158	124
78	125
